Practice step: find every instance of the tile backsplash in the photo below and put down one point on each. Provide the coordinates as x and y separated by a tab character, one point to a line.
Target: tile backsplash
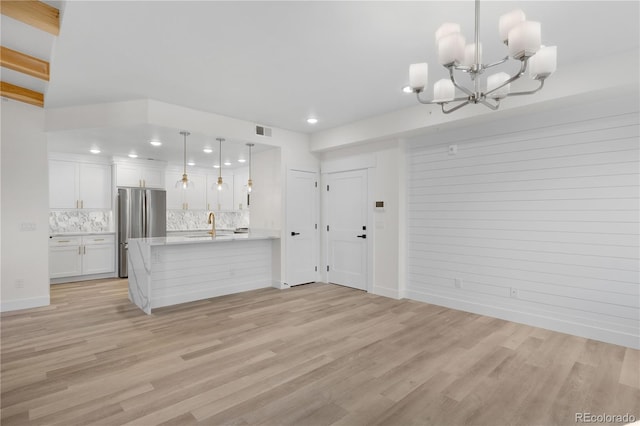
61	221
188	220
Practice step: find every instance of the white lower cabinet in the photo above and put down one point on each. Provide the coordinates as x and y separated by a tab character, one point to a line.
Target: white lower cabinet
81	255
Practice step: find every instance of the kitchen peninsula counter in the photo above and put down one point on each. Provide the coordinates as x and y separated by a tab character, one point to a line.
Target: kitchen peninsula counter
165	271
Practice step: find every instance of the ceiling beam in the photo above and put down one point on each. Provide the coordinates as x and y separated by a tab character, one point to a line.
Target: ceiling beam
34	13
23	63
21	94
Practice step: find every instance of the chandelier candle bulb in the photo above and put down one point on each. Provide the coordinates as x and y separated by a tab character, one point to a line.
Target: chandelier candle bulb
470	54
524	39
451	49
495	80
418	76
443	91
508	21
543	63
446	29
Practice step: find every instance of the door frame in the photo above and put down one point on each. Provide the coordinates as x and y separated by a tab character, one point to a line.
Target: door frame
365	162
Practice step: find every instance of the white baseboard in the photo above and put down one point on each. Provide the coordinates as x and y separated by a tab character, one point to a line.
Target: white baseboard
279	285
33	302
536	320
387	292
75	279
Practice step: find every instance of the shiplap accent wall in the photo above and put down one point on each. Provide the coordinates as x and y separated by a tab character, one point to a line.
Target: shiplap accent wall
536	215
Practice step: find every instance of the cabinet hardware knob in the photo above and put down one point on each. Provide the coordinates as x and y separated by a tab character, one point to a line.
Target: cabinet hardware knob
362	236
293	234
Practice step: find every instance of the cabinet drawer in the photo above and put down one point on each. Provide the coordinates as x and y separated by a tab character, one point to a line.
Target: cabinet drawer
64	241
98	239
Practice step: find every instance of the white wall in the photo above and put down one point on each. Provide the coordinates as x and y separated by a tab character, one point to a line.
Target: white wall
384	161
25	205
538	215
266	196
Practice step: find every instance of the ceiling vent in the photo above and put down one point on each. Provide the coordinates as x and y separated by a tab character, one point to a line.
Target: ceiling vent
263	131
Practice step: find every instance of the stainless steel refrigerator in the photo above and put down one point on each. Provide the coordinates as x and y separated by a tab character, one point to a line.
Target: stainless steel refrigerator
142	213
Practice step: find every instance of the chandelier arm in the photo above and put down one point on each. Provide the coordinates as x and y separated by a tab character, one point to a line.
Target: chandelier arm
422	101
455	83
523	68
529	92
493	64
455	108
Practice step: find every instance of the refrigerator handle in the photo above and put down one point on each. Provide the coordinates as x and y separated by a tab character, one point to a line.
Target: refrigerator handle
144	214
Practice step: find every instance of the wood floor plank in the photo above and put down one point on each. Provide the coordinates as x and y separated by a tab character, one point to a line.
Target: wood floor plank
312	355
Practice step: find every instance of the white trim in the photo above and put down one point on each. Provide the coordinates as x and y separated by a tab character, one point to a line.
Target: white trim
393	293
536	320
32	302
80	158
65	280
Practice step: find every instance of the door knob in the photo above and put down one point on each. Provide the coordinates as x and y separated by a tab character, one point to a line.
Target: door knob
293	234
362	236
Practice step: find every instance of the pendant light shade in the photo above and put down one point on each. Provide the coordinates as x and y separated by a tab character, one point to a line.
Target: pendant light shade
220	185
185	183
250	182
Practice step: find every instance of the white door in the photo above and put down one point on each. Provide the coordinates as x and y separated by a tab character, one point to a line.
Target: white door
65	261
302	232
175	196
196	197
347	221
98	259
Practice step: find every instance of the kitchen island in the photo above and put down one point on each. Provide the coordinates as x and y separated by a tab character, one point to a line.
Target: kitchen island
166	271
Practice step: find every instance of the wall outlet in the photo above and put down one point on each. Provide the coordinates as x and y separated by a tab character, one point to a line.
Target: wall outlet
457	282
453	149
27	226
514	293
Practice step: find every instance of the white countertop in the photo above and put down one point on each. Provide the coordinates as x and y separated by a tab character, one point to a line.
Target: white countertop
79	234
198	238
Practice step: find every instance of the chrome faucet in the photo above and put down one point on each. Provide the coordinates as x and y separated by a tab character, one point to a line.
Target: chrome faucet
212	221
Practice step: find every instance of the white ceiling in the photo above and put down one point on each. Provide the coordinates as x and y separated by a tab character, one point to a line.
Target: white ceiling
276	63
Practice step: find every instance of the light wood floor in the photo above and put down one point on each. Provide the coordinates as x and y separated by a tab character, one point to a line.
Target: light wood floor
318	354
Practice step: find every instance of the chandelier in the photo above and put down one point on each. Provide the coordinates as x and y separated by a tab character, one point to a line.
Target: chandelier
522	38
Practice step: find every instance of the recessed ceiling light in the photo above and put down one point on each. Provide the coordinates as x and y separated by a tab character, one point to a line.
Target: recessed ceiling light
155	143
312	120
94	151
407	89
207	150
191	163
241	160
226	163
133	155
216	166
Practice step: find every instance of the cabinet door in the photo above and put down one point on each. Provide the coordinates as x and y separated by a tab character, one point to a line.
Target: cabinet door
65	261
196	198
63	184
98	259
95	186
153	177
240	179
128	175
175	196
225	197
219	200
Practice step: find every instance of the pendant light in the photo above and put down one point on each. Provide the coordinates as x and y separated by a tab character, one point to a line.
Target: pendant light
220	185
185	183
250	182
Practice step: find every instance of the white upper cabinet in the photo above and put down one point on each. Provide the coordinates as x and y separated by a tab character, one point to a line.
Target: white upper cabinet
220	200
142	176
186	199
240	179
74	185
